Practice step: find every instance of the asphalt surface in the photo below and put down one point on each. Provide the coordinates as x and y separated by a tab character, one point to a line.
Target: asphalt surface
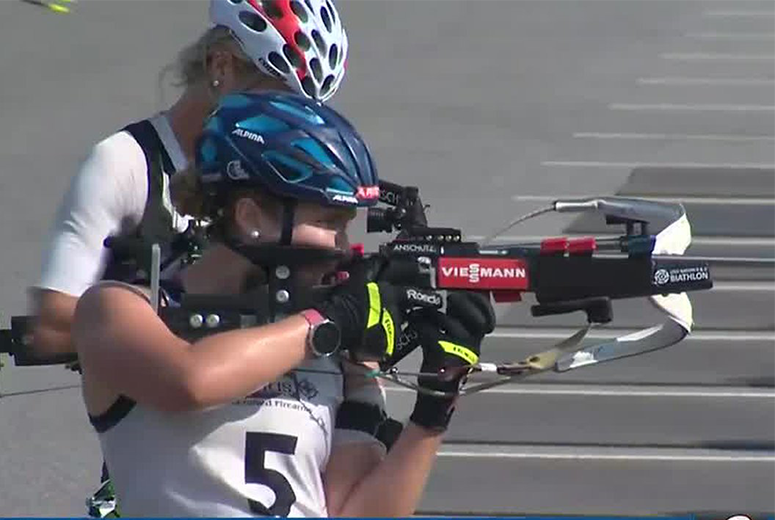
494	108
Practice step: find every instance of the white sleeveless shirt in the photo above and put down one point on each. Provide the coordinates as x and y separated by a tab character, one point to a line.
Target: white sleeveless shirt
107	197
261	455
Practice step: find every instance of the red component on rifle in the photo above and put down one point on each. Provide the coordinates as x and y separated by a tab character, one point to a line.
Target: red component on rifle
507	296
554	246
357	250
582	246
482	273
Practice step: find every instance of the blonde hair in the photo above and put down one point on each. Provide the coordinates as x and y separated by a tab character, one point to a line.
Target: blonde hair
187	194
190	67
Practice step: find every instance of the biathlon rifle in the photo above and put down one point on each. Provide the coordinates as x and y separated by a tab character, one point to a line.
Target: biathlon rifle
564	276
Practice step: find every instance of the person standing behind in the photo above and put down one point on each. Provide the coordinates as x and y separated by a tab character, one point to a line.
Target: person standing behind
123	186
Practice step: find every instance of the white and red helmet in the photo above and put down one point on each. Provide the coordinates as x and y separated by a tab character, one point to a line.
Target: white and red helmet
301	42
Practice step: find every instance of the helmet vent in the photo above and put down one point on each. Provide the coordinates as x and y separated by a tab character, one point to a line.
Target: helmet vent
235	2
279	63
309	86
317	71
252	21
302	41
309	5
331	11
333	55
299	11
326	18
327	84
293	56
321	45
272	9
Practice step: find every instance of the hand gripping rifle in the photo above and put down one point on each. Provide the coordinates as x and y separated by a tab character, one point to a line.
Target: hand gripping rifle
564	276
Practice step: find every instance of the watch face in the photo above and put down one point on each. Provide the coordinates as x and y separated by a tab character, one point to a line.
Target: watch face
325	339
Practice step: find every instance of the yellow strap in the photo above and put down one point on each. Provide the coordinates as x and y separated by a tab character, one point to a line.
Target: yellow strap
390	332
460	351
375	304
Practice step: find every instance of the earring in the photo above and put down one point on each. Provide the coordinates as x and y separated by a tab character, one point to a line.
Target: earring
255	234
216	83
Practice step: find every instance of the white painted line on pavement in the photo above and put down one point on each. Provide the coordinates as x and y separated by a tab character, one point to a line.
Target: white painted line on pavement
700	336
685	107
739	14
676	137
633	455
706	56
618	391
694	81
606	164
743	201
753	286
705	241
732	36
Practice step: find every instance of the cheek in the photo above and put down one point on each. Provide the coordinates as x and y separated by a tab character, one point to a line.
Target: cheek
342	241
314	236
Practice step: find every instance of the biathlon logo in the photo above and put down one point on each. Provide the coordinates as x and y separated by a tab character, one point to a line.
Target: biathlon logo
482	273
661	277
692	274
368	192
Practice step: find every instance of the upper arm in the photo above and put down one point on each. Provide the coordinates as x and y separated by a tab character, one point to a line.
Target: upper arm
123	344
107	194
348	465
355	453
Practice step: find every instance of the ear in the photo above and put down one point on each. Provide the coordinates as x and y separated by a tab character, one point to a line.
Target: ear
247	216
221	72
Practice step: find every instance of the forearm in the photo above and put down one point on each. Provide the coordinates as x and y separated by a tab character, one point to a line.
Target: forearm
234	364
123	344
52	324
395	486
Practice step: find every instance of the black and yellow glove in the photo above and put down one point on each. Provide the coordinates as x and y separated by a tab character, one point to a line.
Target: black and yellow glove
450	342
371	315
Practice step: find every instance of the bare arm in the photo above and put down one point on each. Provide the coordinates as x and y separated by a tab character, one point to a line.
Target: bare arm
355	453
123	345
54	313
108	192
376	491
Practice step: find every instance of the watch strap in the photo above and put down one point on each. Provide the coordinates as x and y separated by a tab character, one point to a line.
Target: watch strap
313	317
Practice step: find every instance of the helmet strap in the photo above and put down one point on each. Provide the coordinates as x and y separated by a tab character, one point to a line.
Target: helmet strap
289	211
279	307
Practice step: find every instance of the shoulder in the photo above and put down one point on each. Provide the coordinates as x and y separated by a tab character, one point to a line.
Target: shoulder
114	176
110	299
118	151
109	310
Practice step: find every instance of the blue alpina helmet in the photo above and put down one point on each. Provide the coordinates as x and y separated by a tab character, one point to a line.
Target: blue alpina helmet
293	147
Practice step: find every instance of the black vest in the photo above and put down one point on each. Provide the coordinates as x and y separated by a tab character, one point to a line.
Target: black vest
129	260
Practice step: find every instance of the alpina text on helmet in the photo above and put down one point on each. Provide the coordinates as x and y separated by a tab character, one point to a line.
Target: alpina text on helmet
239	132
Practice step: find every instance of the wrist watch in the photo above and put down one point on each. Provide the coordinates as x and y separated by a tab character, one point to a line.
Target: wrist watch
324	336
